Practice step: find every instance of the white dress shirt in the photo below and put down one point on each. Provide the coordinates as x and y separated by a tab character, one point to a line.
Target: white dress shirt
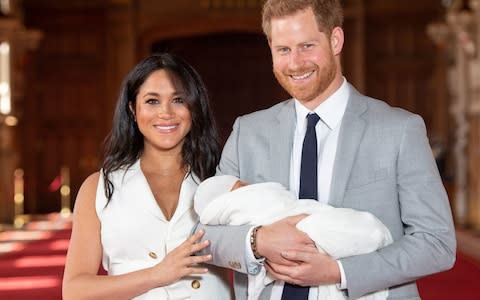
331	112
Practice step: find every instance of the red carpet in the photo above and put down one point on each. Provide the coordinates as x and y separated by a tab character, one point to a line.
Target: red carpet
461	282
32	263
32	260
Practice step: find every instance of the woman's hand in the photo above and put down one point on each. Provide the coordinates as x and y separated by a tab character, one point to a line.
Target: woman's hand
180	262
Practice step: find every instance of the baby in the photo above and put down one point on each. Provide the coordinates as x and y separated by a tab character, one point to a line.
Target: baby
338	232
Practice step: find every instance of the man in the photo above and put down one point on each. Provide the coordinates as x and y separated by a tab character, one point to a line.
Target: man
369	157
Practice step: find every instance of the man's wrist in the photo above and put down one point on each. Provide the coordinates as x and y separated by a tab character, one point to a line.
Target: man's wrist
342	285
253	242
253	264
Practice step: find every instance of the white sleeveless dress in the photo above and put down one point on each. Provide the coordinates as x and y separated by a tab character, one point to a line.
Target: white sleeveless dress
136	235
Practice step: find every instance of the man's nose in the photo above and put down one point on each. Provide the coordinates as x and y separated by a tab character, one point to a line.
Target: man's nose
296	60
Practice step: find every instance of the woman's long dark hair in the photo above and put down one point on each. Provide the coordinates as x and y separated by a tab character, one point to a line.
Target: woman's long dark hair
124	144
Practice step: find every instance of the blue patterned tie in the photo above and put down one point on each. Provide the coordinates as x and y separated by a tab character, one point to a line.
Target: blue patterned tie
308	190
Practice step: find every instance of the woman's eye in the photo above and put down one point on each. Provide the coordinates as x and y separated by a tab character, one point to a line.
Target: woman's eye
178	100
151	101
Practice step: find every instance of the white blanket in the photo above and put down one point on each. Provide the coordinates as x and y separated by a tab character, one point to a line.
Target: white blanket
339	232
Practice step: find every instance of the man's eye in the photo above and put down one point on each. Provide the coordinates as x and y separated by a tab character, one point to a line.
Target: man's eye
307	46
283	50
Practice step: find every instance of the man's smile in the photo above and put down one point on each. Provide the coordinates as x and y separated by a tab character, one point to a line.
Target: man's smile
302	76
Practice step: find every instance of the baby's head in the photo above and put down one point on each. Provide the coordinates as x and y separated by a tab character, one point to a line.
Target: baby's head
214	187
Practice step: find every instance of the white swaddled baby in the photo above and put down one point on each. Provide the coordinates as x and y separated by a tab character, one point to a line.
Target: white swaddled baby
339	232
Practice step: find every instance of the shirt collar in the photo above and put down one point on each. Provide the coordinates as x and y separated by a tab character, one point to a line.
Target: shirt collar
330	111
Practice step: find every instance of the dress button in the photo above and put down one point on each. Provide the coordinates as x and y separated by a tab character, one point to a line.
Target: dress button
195	284
152	255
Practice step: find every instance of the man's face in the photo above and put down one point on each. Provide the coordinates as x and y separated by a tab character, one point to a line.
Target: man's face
303	57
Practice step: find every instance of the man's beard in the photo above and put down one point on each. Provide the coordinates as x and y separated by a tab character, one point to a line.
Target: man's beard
323	78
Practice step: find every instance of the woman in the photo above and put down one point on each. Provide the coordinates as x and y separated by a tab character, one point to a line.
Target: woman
136	214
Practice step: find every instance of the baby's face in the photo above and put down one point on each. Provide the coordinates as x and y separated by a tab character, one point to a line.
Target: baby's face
238	184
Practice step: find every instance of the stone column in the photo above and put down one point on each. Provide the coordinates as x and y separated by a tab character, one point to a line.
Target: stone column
458	85
473	216
460	37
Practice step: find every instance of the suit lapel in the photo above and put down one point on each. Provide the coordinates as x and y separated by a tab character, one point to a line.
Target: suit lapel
350	136
280	143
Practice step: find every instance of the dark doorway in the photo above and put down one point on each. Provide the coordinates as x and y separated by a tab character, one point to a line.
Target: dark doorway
236	68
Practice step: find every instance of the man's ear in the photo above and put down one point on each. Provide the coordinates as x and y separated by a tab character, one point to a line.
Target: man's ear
336	40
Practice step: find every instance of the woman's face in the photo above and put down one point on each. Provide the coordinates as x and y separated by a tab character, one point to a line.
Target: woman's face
161	113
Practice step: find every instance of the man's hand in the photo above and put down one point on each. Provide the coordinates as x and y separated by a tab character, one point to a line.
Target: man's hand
311	268
282	236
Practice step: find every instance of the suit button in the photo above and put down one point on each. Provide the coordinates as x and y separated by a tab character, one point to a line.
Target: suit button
234	265
195	284
152	255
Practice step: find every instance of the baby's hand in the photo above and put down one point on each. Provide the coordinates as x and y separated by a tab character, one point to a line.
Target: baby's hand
238	184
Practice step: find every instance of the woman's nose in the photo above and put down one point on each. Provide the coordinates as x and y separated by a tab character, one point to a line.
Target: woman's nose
165	110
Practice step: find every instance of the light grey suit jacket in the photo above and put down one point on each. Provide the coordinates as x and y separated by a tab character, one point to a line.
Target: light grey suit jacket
383	165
